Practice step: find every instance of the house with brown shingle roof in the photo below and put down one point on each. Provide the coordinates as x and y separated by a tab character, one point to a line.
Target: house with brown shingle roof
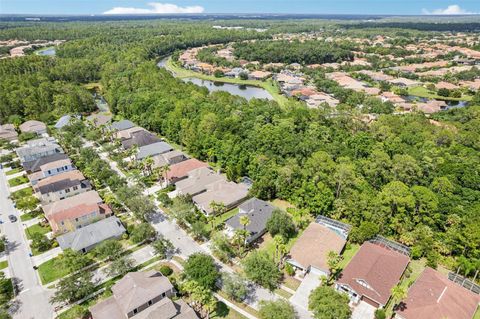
142	295
61	186
51	169
372	273
434	296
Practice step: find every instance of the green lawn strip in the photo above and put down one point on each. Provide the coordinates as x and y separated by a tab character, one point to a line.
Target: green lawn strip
424	92
28	191
14	171
290	282
30	215
348	254
269	85
3	264
243	306
477	314
18	181
37	228
223	311
283	293
269	244
220	219
52	270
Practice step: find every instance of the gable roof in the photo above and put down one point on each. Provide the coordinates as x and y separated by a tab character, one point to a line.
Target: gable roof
60	181
182	169
87	198
313	246
34	166
122	125
434	296
379	267
153	149
56	164
64	121
220	191
92	234
258	212
137	288
197	181
140	138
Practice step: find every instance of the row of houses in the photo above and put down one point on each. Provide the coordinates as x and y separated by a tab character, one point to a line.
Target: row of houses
76	213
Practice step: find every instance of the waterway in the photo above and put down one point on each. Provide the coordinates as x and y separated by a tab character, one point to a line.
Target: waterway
450	104
47	52
247	91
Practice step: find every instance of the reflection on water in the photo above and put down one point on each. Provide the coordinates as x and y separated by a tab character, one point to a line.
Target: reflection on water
47	52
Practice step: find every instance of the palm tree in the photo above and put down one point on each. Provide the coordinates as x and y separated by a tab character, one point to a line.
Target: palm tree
398	294
244	221
279	248
147	165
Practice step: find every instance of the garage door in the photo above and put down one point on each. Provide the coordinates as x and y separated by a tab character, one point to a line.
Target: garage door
370	302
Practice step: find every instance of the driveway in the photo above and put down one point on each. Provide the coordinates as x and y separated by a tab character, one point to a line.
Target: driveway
310	282
363	311
32	301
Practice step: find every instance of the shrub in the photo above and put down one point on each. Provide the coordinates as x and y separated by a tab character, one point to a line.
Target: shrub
380	314
166	270
289	270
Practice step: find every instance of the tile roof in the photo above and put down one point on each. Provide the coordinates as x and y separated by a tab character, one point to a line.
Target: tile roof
182	169
33	126
56	164
77	211
313	246
377	266
140	138
92	234
434	296
87	198
99	119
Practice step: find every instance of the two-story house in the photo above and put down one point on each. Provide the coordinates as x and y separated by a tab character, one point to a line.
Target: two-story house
38	148
75	212
142	295
51	169
60	186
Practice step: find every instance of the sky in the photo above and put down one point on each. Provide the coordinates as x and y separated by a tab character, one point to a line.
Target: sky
88	7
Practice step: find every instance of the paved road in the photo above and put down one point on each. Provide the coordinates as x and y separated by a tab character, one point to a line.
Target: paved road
33	299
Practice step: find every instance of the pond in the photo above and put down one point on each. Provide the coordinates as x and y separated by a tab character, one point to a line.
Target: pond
48	52
247	91
450	104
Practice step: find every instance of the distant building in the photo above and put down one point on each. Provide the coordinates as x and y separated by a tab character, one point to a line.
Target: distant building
121	125
33	126
7	132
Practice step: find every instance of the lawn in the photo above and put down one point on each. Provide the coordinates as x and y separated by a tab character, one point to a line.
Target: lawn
424	92
52	270
223	311
269	85
348	254
3	264
477	314
282	204
31	215
18	181
14	171
220	219
37	228
268	244
22	193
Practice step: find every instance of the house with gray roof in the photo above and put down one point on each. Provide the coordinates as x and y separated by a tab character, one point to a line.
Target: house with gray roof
229	194
139	138
64	121
143	295
169	158
86	238
258	213
36	149
153	149
122	125
197	181
34	166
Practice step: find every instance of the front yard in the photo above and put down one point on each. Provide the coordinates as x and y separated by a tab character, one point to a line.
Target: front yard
52	270
37	228
18	181
14	171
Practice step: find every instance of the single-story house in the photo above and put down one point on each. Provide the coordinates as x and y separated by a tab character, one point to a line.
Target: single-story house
51	169
434	296
34	165
372	273
258	213
404	82
127	133
7	132
445	85
142	295
259	75
60	186
99	119
33	127
180	171
64	121
197	181
121	125
153	149
139	138
310	251
229	194
169	158
86	238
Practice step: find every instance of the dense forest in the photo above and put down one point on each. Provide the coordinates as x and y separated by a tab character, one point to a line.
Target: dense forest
400	176
308	52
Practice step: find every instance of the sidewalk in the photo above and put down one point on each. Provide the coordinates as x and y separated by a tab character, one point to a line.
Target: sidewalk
9	177
46	256
19	187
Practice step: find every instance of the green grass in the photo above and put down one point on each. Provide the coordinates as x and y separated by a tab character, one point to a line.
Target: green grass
269	85
283	293
223	311
477	314
18	181
240	305
24	192
424	92
52	270
30	215
14	171
220	219
37	228
3	264
348	254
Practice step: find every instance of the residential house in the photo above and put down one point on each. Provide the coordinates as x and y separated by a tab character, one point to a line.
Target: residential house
319	98
64	121
445	85
404	82
7	132
99	119
76	211
51	169
139	138
197	181
434	296
142	295
58	187
310	251
391	97
122	125
33	126
259	75
258	213
235	72
153	149
229	194
180	171
34	165
36	149
86	238
127	133
168	158
373	272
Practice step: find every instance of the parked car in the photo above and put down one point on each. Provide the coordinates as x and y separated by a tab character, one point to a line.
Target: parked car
12	218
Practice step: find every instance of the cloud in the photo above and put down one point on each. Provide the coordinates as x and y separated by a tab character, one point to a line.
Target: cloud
156	7
450	10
